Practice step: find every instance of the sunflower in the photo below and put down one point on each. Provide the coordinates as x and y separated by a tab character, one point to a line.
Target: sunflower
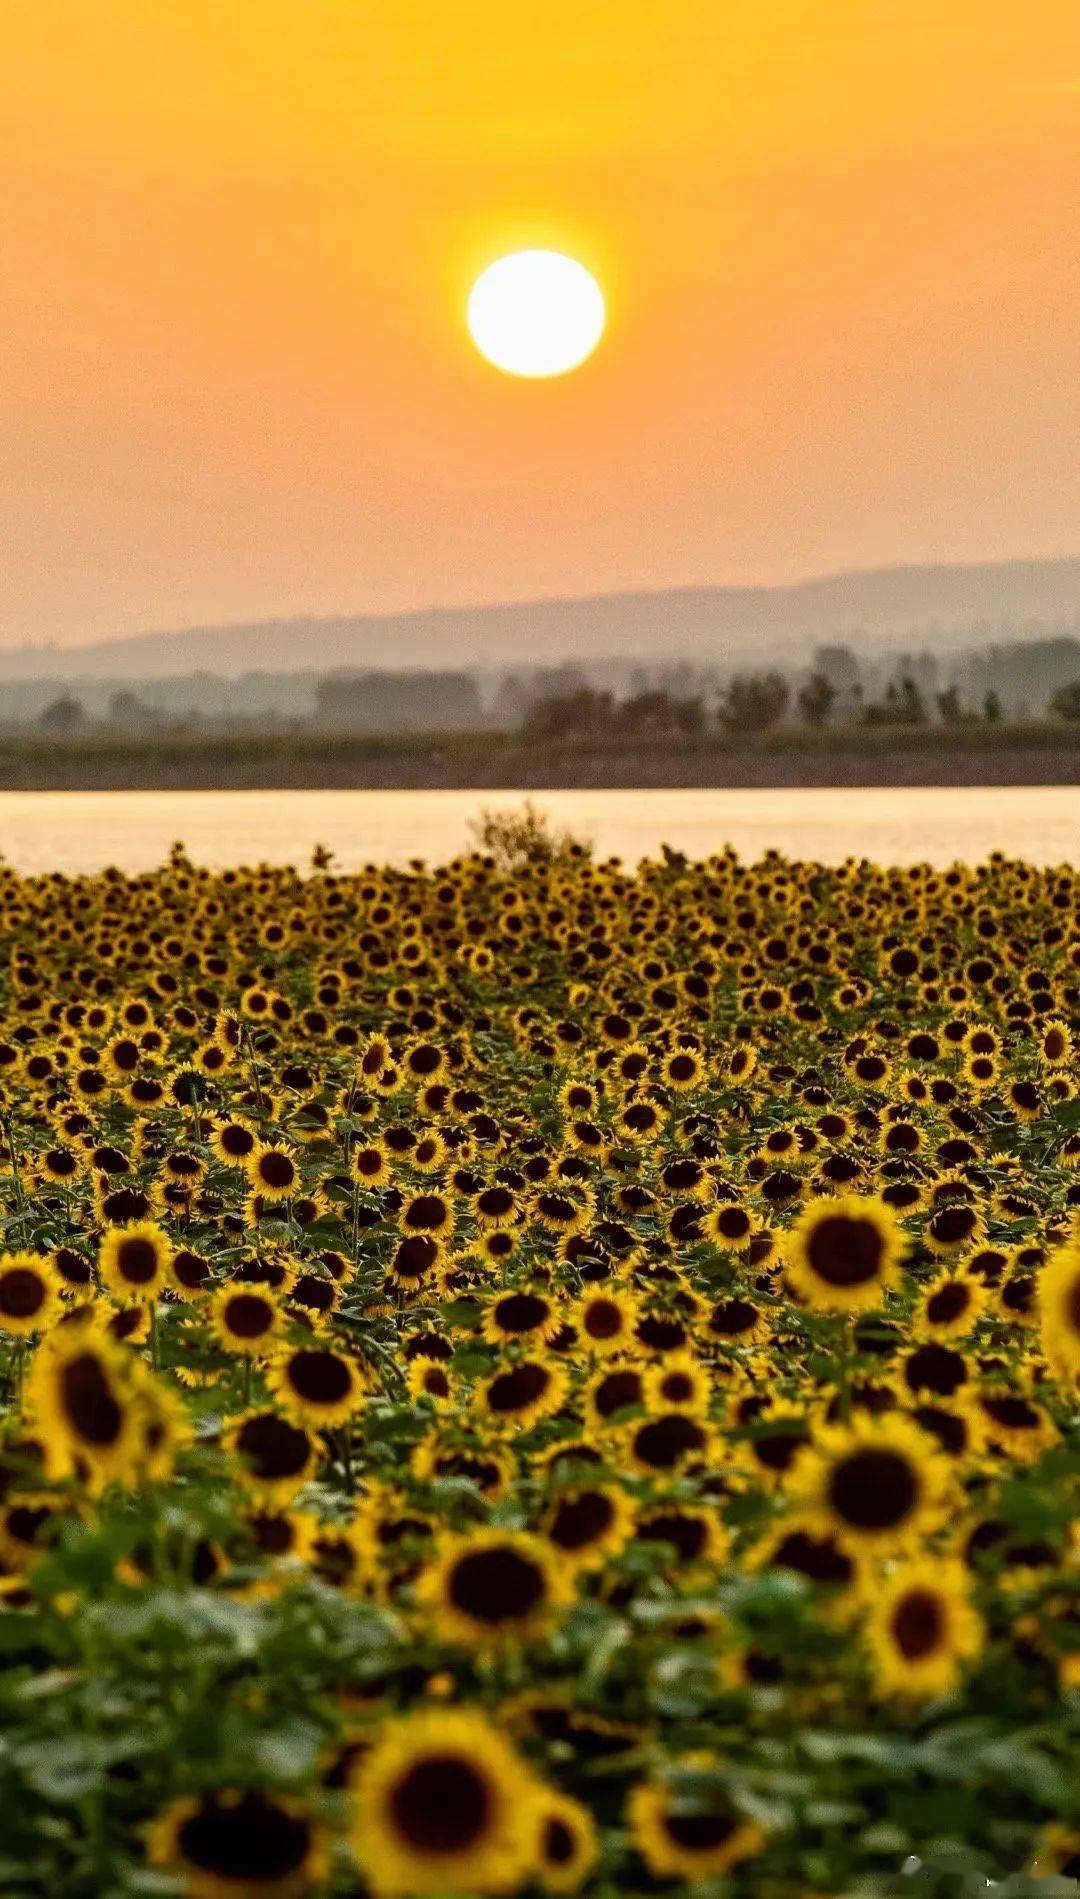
844	1253
427	1215
953	1227
441	1802
520	1393
878	1483
235	1844
247	1319
234	1142
820	1557
521	1313
685	1827
425	1378
729	1226
605	1319
587	1524
922	1628
1011	1422
1055	1043
613	1392
317	1385
951	1306
568	1847
1059	1300
494	1587
369	1164
339	1555
80	1398
414	1261
695	1535
679	1382
29	1295
134	1261
668	1442
274	1458
272	1171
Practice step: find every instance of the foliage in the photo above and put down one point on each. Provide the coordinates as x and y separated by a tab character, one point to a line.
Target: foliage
523	838
753	702
1065	703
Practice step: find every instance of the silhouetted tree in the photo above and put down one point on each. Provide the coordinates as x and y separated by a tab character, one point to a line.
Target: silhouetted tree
948	705
63	715
1065	703
912	709
991	708
754	701
570	715
816	698
658	712
126	708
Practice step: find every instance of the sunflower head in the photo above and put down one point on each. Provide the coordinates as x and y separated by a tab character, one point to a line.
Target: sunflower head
844	1253
441	1802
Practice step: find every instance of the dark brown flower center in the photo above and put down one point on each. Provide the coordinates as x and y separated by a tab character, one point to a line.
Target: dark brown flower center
441	1805
319	1377
845	1251
873	1489
497	1585
580	1520
918	1624
137	1260
89	1403
252	1841
22	1292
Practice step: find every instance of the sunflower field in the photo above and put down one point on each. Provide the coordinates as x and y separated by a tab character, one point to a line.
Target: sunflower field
540	1377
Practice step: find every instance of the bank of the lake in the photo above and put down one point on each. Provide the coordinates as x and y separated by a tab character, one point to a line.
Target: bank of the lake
1021	753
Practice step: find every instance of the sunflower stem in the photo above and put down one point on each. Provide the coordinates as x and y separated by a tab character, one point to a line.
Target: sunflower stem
253	1071
20	1197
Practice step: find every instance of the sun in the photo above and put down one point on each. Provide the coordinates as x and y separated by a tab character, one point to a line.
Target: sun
536	313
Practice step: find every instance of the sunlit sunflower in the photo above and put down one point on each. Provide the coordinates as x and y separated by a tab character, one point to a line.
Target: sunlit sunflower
878	1483
442	1803
134	1261
922	1628
80	1399
951	1306
1059	1302
685	1826
1010	1422
247	1319
844	1253
274	1457
494	1587
605	1319
568	1844
29	1293
272	1171
317	1385
521	1313
520	1393
588	1524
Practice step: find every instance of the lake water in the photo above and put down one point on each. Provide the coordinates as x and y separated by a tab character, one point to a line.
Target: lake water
85	830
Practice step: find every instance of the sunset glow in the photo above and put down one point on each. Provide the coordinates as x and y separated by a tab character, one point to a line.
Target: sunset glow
836	244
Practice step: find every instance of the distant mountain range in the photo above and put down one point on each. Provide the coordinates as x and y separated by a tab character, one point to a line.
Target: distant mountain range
874	610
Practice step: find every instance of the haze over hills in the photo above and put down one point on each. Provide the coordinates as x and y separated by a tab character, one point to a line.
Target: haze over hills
876	610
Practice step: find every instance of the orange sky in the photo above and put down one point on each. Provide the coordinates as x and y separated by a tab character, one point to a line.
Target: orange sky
840	242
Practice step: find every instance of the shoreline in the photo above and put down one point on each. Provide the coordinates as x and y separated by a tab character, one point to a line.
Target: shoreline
310	761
